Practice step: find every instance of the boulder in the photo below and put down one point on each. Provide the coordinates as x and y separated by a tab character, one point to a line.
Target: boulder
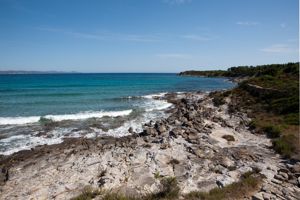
224	181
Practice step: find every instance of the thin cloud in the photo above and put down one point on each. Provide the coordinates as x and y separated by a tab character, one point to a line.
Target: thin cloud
247	23
177	2
174	55
197	37
279	48
104	36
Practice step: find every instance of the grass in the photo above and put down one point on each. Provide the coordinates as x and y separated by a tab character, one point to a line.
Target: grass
157	175
169	190
249	183
88	193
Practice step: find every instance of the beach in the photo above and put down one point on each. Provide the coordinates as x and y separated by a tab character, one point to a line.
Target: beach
202	145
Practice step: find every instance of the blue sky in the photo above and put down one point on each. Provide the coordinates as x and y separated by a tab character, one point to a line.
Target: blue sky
146	35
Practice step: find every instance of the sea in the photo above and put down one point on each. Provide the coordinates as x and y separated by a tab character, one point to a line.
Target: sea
39	109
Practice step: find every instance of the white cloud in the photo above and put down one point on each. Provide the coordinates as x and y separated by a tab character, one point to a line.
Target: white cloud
176	2
174	55
197	37
279	48
247	23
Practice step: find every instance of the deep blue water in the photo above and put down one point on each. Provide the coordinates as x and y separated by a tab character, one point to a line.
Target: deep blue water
56	94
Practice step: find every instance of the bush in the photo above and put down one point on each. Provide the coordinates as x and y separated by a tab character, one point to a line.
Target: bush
248	183
169	189
285	145
272	131
218	101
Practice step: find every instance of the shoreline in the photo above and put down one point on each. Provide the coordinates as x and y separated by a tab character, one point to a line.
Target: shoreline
189	144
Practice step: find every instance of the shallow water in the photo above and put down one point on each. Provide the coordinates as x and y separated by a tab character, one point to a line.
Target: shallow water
75	105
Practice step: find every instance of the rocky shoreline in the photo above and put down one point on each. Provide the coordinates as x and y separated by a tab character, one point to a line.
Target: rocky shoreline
202	145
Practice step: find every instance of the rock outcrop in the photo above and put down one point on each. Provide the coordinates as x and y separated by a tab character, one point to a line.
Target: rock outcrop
191	144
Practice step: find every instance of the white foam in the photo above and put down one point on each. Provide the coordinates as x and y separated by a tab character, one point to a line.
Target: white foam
151	96
25	142
154	109
77	116
158	105
18	120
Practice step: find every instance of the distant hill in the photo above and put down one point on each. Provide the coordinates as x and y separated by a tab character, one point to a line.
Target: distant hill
245	71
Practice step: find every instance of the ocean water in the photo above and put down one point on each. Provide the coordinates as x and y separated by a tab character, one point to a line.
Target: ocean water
37	109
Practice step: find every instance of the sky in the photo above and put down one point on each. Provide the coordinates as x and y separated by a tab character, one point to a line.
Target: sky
146	35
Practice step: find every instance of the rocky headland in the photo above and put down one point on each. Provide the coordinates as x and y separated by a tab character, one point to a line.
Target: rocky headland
200	145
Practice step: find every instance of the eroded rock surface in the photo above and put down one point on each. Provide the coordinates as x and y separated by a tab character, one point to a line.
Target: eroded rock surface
188	145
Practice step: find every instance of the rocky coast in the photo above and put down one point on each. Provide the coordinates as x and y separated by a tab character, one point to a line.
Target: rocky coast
201	145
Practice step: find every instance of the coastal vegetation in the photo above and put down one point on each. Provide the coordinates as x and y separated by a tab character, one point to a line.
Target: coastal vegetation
248	183
270	96
243	71
169	190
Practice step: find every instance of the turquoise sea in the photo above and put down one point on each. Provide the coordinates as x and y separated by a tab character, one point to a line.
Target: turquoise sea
38	109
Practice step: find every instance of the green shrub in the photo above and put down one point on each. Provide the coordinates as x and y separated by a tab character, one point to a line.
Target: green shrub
285	145
272	131
169	189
